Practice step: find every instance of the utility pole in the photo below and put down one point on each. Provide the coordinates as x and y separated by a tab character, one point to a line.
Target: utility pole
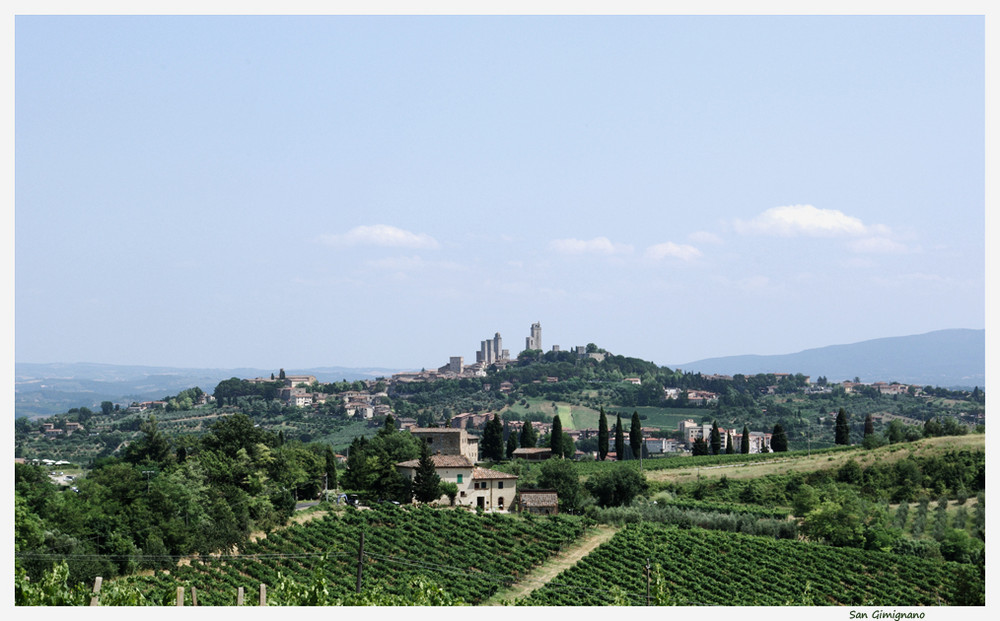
647	582
361	559
324	488
147	473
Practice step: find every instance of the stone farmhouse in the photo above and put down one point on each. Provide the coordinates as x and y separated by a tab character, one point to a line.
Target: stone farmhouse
454	453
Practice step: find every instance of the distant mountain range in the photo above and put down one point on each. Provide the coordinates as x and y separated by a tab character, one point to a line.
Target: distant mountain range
53	388
945	358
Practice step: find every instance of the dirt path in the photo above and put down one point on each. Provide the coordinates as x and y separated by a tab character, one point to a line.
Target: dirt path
553	567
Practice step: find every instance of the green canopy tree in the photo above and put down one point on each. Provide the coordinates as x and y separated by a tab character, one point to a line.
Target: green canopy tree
635	436
616	487
602	436
561	475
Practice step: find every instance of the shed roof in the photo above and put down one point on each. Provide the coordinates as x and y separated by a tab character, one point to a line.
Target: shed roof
539	498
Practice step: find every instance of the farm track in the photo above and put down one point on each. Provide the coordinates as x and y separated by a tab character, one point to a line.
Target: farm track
541	575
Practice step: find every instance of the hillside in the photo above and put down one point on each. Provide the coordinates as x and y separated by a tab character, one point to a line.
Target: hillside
44	389
946	358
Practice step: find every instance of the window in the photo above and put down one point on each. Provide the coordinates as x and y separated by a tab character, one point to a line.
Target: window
500	503
500	486
459	478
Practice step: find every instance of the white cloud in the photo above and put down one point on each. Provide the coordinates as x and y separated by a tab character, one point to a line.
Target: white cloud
598	245
704	237
877	245
670	249
806	220
381	235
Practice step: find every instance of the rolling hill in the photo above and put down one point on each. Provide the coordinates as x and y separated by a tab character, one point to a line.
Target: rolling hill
946	358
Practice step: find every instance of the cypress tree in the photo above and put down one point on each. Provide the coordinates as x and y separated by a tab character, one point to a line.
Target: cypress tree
745	442
699	447
426	482
602	436
842	432
330	467
528	435
869	425
730	449
779	441
619	439
492	446
511	445
715	439
635	435
555	438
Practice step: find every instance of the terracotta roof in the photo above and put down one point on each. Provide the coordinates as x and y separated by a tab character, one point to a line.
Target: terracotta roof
539	498
441	461
485	473
434	430
531	451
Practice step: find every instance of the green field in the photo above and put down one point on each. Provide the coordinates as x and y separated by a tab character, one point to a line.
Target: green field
582	417
698	567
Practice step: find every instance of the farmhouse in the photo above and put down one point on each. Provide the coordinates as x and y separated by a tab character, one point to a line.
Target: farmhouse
489	490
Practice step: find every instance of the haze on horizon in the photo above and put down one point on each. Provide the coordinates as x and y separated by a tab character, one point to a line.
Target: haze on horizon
389	191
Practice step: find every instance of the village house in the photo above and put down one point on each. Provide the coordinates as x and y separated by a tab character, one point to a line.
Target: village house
759	440
657	446
701	397
691	431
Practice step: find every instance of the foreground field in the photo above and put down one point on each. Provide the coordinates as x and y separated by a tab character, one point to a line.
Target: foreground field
469	556
700	567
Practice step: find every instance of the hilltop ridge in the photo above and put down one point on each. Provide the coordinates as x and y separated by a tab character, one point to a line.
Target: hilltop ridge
946	358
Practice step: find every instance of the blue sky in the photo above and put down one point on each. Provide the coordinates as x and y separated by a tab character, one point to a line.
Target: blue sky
389	191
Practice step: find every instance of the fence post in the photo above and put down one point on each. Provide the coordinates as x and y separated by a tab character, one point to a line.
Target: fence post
180	596
239	596
194	596
263	594
361	560
97	590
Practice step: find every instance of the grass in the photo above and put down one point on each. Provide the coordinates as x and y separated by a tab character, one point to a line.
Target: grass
803	462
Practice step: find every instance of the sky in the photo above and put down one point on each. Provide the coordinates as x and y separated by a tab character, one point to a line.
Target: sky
388	191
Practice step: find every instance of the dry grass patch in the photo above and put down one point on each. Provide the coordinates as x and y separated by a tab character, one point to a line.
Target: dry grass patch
809	463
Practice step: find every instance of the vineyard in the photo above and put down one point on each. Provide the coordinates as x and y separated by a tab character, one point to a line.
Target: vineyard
469	556
700	567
